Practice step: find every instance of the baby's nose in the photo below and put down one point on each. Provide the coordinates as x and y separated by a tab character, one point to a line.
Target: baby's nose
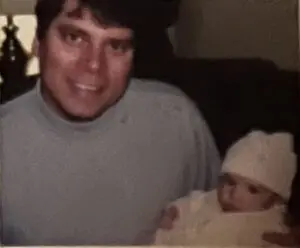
235	196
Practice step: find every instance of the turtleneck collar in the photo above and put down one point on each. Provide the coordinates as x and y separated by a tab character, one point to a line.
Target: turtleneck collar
58	123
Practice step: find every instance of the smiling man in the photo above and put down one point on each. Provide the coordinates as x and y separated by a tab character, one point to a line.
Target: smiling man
92	156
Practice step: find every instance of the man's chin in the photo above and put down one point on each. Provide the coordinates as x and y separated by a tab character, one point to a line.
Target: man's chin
82	118
75	115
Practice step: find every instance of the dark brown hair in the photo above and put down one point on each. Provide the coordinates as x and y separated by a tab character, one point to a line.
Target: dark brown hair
124	13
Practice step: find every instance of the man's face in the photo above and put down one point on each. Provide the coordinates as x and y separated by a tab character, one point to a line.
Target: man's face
238	194
84	66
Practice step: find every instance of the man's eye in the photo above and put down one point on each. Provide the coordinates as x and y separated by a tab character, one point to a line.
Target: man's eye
120	46
73	38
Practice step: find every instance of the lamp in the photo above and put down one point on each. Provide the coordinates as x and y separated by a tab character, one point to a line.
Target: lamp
13	57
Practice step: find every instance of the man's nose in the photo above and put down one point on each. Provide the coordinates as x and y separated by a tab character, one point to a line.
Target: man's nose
95	59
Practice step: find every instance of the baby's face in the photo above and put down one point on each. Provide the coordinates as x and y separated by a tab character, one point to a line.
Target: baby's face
238	194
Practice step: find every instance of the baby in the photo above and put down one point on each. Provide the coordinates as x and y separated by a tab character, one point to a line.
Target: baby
250	200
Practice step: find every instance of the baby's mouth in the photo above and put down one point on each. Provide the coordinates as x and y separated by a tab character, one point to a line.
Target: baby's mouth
229	208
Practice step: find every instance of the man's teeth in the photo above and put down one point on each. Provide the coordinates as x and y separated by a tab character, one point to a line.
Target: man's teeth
86	87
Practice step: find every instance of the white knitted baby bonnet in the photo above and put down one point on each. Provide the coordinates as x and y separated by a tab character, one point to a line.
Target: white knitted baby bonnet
267	159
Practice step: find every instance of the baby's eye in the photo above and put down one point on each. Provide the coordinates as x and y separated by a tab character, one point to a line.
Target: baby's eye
253	190
229	181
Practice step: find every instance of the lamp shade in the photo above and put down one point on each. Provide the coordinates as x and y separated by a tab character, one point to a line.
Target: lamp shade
17	7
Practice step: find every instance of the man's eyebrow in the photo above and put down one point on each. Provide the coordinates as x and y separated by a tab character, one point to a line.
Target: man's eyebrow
76	13
69	27
123	39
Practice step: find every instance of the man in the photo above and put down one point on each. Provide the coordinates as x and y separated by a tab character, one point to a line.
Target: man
91	156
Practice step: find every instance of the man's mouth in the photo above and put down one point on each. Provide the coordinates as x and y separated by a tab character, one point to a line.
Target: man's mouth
87	87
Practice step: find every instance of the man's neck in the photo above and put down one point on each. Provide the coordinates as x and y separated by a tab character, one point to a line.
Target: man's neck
62	122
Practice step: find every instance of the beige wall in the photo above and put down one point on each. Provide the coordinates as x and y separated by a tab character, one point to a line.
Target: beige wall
17	6
240	28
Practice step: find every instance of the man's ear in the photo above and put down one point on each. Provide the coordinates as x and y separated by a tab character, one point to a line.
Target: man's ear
35	47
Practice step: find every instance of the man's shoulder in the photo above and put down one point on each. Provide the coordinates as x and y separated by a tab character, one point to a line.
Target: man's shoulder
16	106
155	88
159	92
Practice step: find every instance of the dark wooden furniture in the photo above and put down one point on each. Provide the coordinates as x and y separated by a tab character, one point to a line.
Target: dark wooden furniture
13	63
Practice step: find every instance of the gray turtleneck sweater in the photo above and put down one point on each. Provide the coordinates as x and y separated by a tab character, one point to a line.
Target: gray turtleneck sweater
104	182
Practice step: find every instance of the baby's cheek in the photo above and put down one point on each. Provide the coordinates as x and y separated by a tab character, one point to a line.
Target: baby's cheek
223	193
253	204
